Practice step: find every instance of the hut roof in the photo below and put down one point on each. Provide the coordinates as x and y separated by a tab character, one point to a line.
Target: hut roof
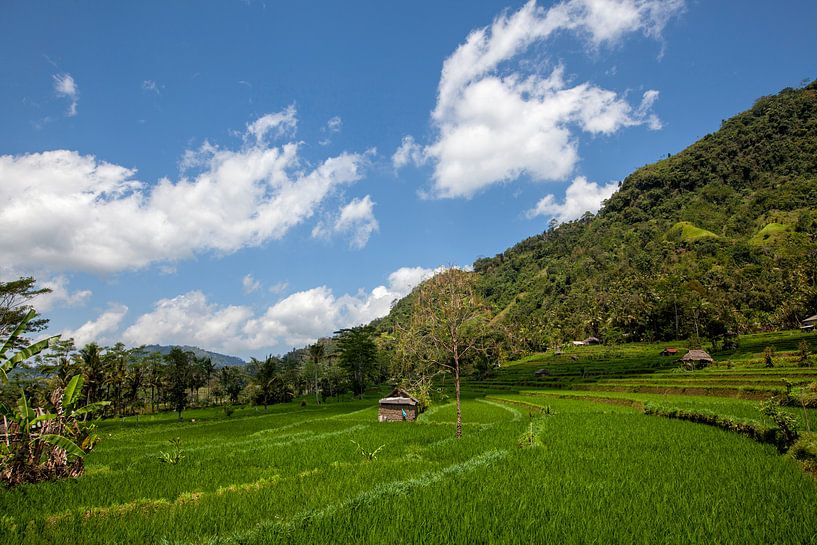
697	355
399	397
592	340
810	319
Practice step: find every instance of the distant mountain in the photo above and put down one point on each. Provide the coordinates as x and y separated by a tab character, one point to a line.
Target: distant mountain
221	360
719	237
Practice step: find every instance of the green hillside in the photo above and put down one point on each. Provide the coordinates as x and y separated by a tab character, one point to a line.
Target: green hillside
722	236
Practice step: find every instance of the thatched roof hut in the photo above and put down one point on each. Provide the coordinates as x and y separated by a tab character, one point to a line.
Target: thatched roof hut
696	358
592	340
810	323
398	406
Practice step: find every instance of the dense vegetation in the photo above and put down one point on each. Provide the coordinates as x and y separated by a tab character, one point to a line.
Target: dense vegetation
720	237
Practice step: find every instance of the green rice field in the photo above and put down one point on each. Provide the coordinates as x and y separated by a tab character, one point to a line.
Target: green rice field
600	471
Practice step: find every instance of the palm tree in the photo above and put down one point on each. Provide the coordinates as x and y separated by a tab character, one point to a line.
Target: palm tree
92	370
316	353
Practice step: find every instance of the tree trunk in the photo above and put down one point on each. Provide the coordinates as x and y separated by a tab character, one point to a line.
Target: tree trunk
457	388
317	398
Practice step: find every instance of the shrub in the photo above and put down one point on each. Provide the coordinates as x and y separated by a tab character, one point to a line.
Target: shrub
175	454
803	353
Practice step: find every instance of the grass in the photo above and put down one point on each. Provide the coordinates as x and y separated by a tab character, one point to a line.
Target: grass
603	473
770	234
685	231
595	471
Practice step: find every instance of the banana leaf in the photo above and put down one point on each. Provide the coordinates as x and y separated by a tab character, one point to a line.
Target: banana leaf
64	443
17	332
72	391
91	408
28	351
25	412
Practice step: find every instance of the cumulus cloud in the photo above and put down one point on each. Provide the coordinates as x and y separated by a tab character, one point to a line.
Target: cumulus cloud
98	330
296	320
60	296
355	219
409	153
188	319
95	216
250	284
581	196
497	120
65	86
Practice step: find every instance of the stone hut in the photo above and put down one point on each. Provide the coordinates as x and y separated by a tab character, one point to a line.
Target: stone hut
696	359
398	406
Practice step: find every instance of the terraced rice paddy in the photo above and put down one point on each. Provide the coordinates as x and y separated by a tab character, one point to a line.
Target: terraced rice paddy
604	472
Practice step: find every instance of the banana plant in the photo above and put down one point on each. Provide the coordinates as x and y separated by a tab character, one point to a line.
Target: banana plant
38	445
7	363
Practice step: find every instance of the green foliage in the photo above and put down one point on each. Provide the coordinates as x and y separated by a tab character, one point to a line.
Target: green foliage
684	231
16	297
803	354
358	356
368	455
787	427
13	340
179	371
232	382
530	438
175	454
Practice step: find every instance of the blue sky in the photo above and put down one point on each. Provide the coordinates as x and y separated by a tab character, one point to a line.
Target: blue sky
248	176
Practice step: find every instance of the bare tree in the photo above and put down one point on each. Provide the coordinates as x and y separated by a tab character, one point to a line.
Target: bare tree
447	325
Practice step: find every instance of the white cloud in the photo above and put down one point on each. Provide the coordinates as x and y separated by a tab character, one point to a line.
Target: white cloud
94	216
65	86
98	330
581	196
296	320
188	319
409	153
250	284
60	296
355	219
283	123
497	121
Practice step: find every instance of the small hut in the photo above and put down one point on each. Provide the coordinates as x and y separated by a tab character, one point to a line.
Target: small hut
669	351
592	340
398	406
696	359
810	323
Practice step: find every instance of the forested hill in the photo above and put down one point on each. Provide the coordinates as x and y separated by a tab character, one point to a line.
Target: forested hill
220	360
722	236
